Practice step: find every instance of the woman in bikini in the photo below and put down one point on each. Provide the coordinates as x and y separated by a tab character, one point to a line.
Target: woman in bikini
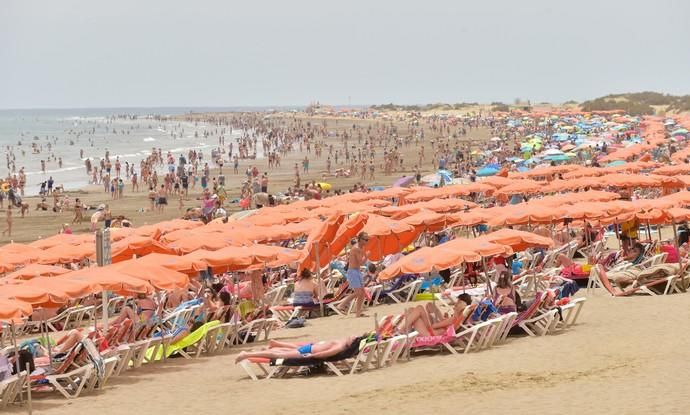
430	321
504	294
144	315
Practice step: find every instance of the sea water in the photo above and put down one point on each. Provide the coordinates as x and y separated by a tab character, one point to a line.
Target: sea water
27	134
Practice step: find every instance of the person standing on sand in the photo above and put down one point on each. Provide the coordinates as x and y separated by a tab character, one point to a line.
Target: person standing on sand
8	229
264	183
356	258
152	198
162	198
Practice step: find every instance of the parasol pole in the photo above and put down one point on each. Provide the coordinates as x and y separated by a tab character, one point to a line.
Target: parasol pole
28	375
318	277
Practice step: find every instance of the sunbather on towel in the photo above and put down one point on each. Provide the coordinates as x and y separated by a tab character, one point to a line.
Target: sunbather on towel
281	350
430	321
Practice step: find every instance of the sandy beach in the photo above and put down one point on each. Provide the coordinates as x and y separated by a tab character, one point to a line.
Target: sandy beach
39	224
622	357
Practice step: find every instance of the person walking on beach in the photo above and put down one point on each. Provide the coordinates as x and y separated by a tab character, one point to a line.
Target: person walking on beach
356	258
78	214
8	229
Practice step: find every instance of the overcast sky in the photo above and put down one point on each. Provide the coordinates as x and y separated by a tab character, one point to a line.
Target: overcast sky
86	53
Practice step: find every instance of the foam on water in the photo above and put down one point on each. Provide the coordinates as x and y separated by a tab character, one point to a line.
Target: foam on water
77	127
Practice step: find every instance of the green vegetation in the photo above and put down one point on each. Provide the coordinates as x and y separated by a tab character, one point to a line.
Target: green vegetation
427	107
500	107
638	103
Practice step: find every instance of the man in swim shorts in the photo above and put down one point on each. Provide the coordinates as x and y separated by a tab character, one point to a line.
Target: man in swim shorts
356	259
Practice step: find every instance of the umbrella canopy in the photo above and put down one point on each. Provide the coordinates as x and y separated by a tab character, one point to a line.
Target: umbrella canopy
521	187
347	231
37	270
36	296
437	205
525	213
10	262
160	277
110	279
497	181
427	221
12	311
322	236
26	250
55	240
184	264
71	289
235	258
137	245
428	259
67	254
387	236
481	247
517	240
207	241
673	170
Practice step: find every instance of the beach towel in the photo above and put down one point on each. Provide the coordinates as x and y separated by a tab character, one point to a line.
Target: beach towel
189	340
430	341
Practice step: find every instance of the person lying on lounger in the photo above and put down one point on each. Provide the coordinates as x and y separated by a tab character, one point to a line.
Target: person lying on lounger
430	321
282	350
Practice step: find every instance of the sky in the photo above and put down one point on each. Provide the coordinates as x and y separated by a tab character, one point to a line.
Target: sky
173	53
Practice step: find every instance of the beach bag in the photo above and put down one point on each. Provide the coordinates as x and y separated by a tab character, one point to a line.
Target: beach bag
295	323
26	362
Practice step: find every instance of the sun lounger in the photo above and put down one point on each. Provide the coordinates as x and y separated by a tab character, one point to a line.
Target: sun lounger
503	330
10	388
540	324
350	360
190	345
406	293
109	365
527	314
275	295
71	384
285	312
475	338
70	318
217	337
570	313
663	285
248	332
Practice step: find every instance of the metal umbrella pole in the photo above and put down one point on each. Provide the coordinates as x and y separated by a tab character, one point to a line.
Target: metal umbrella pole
318	278
28	377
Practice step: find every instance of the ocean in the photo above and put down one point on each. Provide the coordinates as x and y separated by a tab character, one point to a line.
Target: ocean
29	136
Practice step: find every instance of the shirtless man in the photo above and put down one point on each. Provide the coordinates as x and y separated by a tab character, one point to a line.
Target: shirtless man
355	260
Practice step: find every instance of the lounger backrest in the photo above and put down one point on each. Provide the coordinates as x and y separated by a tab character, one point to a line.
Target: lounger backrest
8	389
531	310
